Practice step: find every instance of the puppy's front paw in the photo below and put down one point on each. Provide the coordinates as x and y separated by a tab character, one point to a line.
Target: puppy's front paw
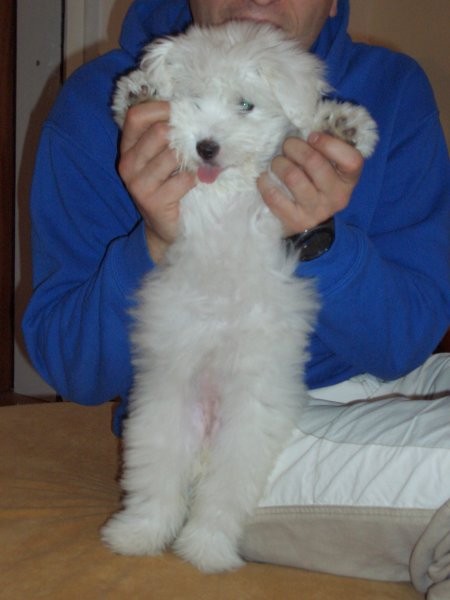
132	89
350	123
211	551
133	535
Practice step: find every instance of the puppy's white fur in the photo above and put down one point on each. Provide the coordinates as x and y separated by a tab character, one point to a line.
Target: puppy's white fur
222	326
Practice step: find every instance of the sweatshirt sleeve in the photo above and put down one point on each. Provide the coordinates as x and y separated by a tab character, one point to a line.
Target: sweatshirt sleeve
89	254
384	284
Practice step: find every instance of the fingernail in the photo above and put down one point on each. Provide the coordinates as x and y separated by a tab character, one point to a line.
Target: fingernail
313	137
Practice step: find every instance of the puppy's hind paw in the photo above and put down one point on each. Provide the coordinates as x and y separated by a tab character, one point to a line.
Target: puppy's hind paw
211	551
350	123
134	536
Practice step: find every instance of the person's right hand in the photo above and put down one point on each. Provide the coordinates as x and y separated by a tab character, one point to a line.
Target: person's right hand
148	168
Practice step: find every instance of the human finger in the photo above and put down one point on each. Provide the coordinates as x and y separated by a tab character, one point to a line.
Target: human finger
139	119
346	159
291	214
143	174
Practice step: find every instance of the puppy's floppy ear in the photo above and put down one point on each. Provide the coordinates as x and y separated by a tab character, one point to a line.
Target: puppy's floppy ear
156	65
298	83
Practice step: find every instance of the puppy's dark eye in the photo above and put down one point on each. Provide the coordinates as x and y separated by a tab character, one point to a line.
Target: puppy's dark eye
245	106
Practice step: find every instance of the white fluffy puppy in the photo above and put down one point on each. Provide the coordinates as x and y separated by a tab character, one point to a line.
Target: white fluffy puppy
222	326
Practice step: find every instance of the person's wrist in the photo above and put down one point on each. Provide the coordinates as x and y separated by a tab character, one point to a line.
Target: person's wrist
314	242
156	245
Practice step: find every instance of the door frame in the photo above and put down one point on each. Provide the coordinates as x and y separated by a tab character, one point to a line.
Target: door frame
7	191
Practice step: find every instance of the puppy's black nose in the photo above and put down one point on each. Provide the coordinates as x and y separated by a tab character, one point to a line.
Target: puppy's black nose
207	149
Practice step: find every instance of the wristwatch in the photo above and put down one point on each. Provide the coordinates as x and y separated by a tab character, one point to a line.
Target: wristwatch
314	242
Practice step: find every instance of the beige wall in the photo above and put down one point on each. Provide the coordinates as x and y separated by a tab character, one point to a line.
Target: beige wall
416	27
91	28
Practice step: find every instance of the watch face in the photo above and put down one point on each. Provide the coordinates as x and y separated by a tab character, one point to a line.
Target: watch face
316	244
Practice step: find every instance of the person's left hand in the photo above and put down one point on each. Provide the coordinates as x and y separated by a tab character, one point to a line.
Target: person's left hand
321	175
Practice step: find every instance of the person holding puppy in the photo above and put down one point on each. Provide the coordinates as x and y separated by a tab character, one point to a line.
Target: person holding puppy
105	209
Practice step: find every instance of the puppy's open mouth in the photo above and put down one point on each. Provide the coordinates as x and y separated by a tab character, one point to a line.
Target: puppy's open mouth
208	173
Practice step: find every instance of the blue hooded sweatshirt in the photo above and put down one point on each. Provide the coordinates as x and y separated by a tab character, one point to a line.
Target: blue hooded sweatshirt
384	284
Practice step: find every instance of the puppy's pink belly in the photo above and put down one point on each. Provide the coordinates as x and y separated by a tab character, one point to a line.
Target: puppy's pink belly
206	410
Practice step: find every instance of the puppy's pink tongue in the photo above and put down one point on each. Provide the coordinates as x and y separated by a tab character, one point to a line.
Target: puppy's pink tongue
208	173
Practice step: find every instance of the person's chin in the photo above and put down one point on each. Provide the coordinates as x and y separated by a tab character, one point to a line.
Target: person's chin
252	19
